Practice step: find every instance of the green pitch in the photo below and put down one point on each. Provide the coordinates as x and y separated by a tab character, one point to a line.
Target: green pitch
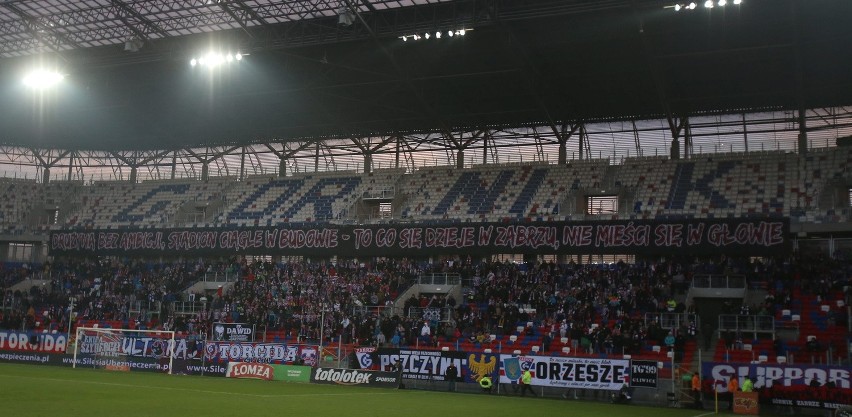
49	391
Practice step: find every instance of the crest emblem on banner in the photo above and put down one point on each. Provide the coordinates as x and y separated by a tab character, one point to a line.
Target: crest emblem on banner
292	354
219	332
527	364
512	366
483	366
309	356
365	357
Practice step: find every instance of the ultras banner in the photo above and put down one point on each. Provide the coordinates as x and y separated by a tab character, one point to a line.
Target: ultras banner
276	353
793	385
32	342
742	236
428	364
581	373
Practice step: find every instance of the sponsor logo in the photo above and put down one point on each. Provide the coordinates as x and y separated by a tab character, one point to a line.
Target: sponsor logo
342	377
250	370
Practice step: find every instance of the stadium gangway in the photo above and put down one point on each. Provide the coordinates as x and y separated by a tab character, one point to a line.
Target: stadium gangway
751	324
672	320
719	281
220	276
187	307
439	279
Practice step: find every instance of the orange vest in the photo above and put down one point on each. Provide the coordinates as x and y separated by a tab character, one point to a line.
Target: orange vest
733	384
696	383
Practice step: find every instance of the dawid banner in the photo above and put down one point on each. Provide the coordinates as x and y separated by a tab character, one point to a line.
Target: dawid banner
741	236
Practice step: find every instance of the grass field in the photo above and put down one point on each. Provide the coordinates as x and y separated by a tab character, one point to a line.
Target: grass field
31	390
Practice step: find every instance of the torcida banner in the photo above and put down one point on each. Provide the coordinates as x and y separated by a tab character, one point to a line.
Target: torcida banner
741	236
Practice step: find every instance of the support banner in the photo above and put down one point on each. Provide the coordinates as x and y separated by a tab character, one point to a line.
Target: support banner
813	386
428	364
741	236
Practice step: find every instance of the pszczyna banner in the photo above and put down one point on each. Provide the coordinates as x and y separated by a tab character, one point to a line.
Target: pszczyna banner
813	386
742	236
580	373
428	364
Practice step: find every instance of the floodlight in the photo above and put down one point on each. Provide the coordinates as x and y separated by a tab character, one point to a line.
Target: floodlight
723	2
450	33
677	7
462	32
738	2
691	6
427	35
438	35
238	56
708	4
42	78
193	62
229	57
404	39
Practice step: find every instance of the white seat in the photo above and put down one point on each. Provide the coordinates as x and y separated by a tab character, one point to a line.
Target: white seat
516	352
656	348
564	340
825	308
513	338
762	358
445	349
627	357
487	351
566	350
669	354
797	317
785	313
781	359
747	346
492	337
520	329
536	349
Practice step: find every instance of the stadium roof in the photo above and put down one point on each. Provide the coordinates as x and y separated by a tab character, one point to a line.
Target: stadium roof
339	68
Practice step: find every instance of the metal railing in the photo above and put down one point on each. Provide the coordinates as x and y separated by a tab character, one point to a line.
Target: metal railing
443	314
719	281
187	307
439	279
220	276
753	324
672	320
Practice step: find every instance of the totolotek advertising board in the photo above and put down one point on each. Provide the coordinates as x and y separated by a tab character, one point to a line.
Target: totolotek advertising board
812	386
580	373
336	376
741	236
428	364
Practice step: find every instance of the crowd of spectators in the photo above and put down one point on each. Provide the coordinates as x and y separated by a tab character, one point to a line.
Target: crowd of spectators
600	308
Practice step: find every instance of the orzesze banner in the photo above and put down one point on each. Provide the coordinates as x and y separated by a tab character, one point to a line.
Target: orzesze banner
742	236
580	373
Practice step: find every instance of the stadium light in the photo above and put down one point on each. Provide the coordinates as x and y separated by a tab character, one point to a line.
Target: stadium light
692	6
723	3
738	2
708	4
677	7
437	35
214	59
41	78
